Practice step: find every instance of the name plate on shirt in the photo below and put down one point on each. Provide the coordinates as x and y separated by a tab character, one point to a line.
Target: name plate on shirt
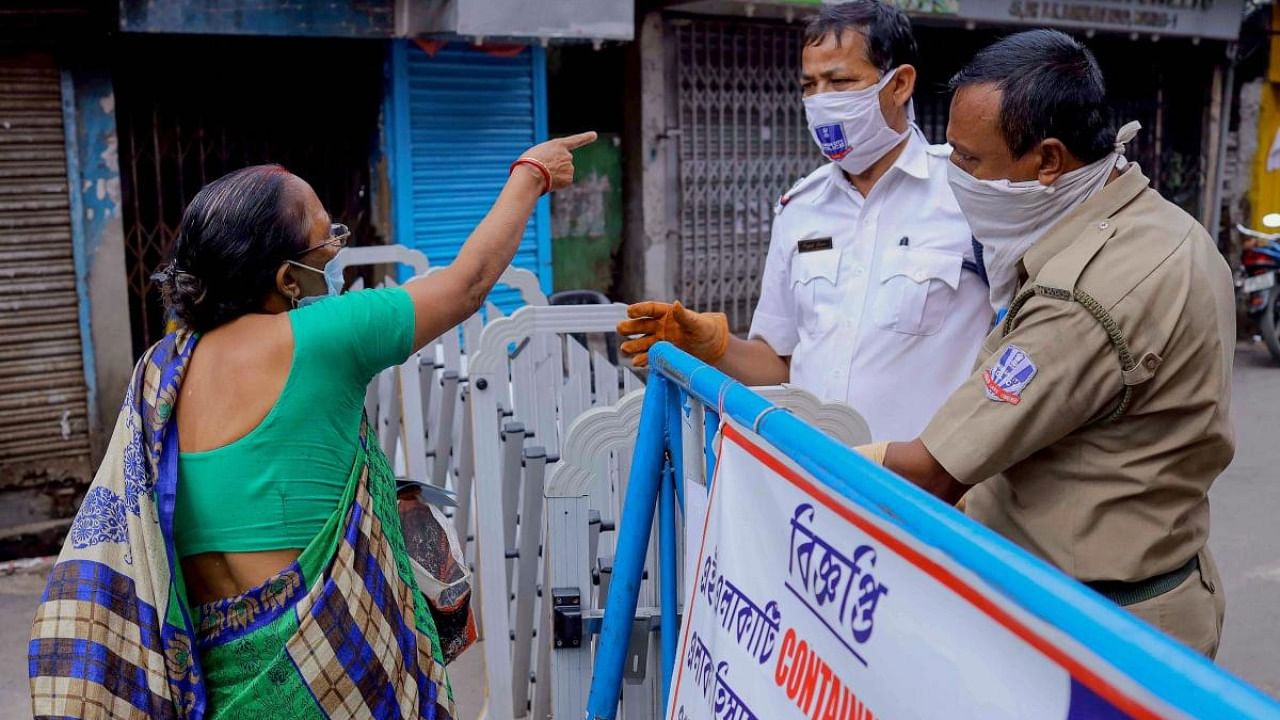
808	246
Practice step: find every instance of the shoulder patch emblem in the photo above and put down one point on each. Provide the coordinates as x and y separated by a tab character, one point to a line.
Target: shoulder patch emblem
1010	375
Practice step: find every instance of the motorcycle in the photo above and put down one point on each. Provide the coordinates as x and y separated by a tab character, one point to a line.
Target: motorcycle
1257	283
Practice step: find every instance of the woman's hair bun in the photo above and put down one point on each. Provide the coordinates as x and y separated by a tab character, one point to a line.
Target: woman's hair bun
182	291
235	234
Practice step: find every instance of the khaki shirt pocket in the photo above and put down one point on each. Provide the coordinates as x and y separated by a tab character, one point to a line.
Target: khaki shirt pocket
815	282
917	289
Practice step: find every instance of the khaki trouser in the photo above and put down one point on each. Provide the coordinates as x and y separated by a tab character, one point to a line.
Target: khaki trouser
1191	612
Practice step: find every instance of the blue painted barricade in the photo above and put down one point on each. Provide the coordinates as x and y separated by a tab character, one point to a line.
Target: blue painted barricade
946	586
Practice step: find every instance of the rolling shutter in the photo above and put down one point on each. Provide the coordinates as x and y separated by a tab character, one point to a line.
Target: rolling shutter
43	409
462	115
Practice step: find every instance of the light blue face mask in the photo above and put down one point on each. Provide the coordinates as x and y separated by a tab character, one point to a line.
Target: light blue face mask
333	281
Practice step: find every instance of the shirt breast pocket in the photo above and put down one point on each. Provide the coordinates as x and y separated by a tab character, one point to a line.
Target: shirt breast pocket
815	282
917	289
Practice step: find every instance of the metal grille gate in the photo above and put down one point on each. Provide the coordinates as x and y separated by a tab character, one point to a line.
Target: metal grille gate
742	142
216	105
44	439
741	136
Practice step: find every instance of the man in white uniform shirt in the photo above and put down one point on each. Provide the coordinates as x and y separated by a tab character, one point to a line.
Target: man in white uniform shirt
871	292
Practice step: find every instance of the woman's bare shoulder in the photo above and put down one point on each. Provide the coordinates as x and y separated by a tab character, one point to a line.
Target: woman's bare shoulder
253	338
235	376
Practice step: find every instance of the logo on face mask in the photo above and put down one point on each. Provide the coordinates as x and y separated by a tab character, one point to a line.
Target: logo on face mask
831	141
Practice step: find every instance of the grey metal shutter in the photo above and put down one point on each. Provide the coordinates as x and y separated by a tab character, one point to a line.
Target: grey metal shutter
43	411
742	142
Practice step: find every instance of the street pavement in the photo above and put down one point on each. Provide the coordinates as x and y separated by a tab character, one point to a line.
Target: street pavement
1245	531
1245	541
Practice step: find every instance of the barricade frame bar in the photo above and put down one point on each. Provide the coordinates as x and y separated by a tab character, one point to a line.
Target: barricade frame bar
1133	648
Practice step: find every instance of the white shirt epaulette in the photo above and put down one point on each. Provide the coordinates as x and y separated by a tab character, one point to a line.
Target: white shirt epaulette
808	183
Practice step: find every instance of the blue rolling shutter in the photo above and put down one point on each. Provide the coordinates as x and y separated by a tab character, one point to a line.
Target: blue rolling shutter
458	119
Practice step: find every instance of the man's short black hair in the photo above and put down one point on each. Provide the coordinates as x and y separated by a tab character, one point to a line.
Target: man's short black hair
1051	87
886	28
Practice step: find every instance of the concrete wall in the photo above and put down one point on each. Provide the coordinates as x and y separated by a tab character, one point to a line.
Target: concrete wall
99	241
650	250
1246	149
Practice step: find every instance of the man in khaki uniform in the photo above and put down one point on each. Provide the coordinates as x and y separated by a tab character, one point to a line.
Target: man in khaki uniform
1098	413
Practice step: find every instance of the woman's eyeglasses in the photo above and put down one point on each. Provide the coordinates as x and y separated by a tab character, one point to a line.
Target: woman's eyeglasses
339	234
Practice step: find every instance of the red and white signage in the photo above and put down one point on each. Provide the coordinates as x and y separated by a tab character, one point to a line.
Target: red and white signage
802	604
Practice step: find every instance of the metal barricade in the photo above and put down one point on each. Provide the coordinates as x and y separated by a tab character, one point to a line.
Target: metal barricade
529	378
582	501
1093	642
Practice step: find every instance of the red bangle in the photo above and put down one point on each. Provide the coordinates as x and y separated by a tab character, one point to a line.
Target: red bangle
538	165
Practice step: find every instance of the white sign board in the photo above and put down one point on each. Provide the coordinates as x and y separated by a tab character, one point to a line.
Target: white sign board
1213	19
806	605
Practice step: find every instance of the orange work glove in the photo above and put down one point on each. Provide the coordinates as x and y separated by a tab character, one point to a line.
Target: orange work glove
702	335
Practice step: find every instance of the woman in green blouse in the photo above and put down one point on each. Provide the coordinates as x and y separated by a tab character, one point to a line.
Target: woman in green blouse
243	529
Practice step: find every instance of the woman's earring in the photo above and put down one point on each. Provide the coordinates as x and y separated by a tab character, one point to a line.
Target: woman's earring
294	299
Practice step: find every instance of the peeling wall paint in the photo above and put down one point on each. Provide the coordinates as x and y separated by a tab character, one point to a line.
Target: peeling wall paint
99	244
77	216
586	219
100	158
580	208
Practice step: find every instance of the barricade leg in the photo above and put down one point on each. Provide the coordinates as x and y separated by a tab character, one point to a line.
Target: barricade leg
444	428
413	420
593	543
512	449
466	474
675	440
426	382
542	644
569	572
667	585
535	468
672	497
633	544
494	602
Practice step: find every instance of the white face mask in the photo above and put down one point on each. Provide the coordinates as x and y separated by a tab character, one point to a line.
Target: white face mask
1007	217
849	127
333	281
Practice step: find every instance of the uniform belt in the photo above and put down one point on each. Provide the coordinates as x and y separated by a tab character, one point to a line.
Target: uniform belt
1130	593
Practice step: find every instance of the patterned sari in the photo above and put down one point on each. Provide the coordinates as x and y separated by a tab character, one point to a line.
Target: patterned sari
342	632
